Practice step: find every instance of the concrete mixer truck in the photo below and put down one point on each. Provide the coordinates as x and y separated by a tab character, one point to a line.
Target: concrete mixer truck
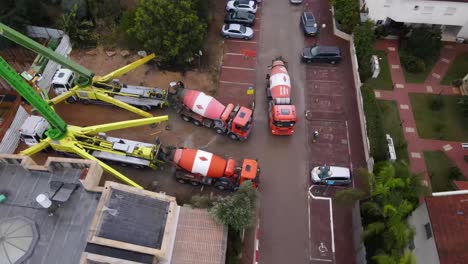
199	167
204	110
282	113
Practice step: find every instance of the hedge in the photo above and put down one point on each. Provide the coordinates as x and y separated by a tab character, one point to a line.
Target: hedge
375	129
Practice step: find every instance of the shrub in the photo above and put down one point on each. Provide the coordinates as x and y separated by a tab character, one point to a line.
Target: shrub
375	130
346	14
364	42
457	82
380	32
436	104
424	43
455	173
412	63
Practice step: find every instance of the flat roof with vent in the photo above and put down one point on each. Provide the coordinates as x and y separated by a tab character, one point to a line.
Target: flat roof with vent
133	224
60	236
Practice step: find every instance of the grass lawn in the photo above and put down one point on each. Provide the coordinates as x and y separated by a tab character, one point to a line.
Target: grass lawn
457	70
384	80
438	167
391	120
416	77
447	123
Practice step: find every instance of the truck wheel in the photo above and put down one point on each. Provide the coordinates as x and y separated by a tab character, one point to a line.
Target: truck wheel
195	183
145	108
182	181
223	185
186	118
233	136
71	100
219	131
196	122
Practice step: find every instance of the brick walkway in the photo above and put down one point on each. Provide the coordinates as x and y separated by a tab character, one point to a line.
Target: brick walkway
416	145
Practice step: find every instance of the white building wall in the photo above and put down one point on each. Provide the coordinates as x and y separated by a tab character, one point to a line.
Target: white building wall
425	250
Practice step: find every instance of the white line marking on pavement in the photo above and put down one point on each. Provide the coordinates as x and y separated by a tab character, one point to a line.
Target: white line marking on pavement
318	259
238	68
349	149
243	41
234	54
236	83
331	215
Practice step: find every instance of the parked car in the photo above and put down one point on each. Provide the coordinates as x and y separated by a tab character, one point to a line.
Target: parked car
322	54
309	25
237	31
331	175
240	17
295	1
242	5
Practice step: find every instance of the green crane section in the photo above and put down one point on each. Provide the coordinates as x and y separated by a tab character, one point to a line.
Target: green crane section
85	75
59	127
80	141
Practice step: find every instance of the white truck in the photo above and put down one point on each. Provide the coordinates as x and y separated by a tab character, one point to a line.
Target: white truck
111	150
145	98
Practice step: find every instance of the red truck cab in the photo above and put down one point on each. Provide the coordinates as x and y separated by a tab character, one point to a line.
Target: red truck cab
250	172
239	120
282	119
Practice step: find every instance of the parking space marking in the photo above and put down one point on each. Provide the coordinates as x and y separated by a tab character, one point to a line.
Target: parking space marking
233	54
238	68
241	83
330	206
242	41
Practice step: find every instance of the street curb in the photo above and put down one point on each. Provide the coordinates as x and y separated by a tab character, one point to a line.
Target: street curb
257	242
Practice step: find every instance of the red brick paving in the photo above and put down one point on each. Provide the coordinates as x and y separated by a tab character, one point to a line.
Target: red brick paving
416	144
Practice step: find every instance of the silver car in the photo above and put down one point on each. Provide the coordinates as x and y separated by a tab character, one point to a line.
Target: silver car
295	1
236	31
331	175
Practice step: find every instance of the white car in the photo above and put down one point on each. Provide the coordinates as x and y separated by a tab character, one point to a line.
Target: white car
243	5
236	31
331	175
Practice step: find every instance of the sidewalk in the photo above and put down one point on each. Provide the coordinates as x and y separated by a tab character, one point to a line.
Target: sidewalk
400	94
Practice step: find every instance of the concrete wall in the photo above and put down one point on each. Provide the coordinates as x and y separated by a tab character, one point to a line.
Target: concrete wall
425	250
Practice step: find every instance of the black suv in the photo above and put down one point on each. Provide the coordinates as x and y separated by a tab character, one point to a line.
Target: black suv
240	17
324	54
309	25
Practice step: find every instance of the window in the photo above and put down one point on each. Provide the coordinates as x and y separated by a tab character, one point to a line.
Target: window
428	229
411	245
379	22
450	11
416	7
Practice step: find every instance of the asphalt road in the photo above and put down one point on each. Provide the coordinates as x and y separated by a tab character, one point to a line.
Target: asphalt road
284	160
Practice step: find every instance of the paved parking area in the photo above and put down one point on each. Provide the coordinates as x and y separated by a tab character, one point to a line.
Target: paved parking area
238	69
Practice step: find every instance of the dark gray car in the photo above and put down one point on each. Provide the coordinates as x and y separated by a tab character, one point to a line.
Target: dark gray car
321	54
309	25
240	17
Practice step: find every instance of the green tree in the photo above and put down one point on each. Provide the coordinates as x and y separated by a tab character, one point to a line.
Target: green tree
20	13
171	29
392	199
78	30
424	43
201	201
346	14
364	39
238	210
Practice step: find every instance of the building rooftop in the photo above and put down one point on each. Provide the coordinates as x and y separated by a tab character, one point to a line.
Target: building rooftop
199	239
59	233
449	221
